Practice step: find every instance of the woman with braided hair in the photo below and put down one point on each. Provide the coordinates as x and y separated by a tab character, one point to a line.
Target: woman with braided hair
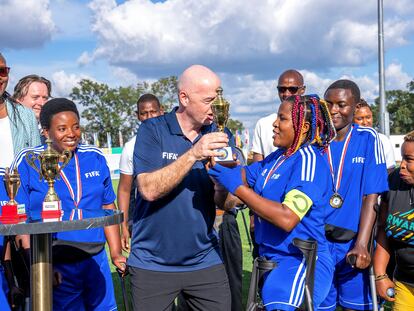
288	192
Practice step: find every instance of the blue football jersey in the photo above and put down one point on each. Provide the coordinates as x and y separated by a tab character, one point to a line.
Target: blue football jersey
306	171
364	172
93	190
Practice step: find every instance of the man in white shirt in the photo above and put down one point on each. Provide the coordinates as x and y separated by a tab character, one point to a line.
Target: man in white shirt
363	116
148	106
290	83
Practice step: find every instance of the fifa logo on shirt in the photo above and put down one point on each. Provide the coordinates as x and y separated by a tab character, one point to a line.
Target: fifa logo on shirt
275	176
358	160
92	174
169	155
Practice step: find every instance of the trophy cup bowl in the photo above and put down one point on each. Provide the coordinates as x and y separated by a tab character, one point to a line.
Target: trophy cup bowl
49	169
12	211
220	108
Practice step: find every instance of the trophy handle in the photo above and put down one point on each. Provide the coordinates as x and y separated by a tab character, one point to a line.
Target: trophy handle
66	155
30	158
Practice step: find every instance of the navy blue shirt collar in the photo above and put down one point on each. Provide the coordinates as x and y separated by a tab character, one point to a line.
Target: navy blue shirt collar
175	127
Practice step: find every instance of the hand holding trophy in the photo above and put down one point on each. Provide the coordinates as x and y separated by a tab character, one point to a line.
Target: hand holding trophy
220	108
12	211
49	170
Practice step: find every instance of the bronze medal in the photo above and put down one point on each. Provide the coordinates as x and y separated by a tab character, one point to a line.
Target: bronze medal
336	200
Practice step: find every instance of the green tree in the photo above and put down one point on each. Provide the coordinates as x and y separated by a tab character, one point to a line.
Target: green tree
234	125
400	105
112	110
166	91
106	109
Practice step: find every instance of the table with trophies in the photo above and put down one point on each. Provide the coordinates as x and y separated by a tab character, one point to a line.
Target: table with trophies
43	223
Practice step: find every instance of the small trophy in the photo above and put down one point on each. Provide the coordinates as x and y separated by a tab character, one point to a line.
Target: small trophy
12	211
220	108
49	170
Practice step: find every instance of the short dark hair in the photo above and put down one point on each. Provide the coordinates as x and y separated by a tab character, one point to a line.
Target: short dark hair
148	98
22	87
363	104
409	137
346	85
53	107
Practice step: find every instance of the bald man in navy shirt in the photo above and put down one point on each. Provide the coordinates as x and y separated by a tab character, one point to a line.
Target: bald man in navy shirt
174	245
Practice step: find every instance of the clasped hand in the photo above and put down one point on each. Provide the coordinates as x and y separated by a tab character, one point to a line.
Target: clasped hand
363	258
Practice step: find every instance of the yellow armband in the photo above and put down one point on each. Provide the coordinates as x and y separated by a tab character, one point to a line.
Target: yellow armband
298	202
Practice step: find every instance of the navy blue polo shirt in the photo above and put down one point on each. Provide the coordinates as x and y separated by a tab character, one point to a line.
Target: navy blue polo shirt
174	233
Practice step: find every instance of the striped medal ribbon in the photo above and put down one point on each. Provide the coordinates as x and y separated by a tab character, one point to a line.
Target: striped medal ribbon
336	199
76	211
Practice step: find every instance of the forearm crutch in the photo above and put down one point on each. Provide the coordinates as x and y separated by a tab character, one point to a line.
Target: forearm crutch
260	266
246	228
309	250
122	275
352	261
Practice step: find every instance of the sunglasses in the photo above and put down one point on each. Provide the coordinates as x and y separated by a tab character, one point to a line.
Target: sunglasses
291	89
4	71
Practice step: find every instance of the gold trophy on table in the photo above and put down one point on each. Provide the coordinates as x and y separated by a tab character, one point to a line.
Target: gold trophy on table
49	170
12	211
220	108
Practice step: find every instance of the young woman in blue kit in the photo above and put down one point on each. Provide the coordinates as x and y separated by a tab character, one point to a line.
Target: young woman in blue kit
288	192
85	183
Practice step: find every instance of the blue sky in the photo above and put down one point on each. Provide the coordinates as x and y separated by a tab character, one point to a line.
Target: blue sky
249	43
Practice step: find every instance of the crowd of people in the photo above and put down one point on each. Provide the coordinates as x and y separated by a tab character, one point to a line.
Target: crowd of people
319	172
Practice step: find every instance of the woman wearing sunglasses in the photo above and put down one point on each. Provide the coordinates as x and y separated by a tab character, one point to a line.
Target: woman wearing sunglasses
18	128
18	125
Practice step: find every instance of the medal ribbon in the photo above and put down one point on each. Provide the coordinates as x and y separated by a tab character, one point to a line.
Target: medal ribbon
275	166
78	186
337	182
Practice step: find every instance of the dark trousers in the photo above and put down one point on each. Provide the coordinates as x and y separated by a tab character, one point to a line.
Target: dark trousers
231	250
205	289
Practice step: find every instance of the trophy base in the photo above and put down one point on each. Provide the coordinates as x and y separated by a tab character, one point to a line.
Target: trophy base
51	210
13	213
227	157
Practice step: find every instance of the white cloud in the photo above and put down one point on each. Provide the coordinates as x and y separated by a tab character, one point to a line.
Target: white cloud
63	82
241	36
25	24
396	78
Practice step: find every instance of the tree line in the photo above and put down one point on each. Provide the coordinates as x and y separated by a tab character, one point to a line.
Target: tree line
113	110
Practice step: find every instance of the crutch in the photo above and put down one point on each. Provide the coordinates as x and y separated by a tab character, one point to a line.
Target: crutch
352	261
260	267
241	208
309	250
122	275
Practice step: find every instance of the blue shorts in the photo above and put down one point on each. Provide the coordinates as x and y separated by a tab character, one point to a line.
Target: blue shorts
350	288
284	286
86	285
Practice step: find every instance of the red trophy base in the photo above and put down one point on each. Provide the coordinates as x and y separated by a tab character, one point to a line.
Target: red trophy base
13	213
51	210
